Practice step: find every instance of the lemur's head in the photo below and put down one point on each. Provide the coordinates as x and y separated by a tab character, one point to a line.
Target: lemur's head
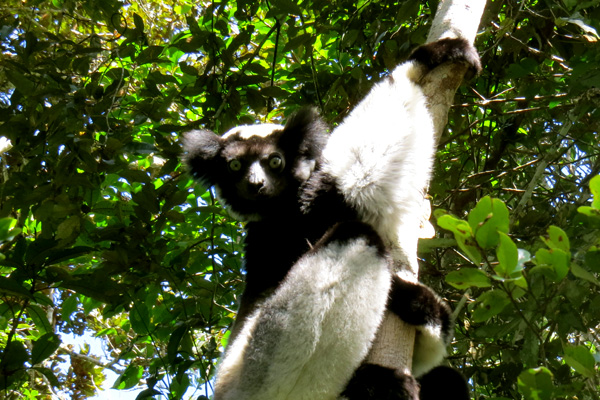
257	169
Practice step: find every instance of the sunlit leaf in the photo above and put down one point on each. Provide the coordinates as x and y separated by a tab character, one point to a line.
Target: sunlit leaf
536	384
468	277
557	239
508	256
129	378
7	229
463	234
490	304
487	220
581	360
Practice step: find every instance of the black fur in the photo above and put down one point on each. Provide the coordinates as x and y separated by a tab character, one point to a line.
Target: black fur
443	383
418	305
372	381
343	232
447	50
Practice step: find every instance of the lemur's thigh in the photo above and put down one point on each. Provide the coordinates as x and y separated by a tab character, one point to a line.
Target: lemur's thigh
307	339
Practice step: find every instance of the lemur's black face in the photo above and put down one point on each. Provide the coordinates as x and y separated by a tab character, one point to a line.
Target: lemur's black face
256	167
257	170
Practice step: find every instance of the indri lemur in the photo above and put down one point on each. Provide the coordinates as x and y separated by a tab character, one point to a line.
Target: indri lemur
322	212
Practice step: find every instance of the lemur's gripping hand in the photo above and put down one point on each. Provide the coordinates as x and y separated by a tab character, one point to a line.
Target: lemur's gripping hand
448	50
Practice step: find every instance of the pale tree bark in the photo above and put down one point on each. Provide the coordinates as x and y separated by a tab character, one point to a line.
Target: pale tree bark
454	18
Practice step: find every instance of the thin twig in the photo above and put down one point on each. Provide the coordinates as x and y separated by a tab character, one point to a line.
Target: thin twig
92	360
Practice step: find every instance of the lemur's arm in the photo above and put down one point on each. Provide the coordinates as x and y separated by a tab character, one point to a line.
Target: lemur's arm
381	154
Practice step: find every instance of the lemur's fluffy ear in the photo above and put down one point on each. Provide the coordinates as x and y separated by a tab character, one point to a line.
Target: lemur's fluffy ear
200	149
306	131
305	135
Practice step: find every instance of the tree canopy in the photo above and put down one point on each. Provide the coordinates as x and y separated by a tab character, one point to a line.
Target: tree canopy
103	231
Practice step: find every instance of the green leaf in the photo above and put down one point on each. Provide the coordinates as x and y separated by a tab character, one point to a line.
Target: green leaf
14	356
489	304
592	259
68	228
287	7
298	41
139	317
180	385
536	384
129	378
150	54
468	277
39	318
174	341
147	199
589	211
8	230
581	360
531	349
555	261
225	338
188	69
47	372
463	235
59	255
557	239
584	274
41	298
133	175
149	393
21	82
273	91
13	288
139	22
595	189
489	217
508	256
69	306
107	332
44	347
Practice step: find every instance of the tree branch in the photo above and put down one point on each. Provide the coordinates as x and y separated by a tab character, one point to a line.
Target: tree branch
92	360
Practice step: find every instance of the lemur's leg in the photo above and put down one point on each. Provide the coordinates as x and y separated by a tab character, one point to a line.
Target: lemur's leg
304	341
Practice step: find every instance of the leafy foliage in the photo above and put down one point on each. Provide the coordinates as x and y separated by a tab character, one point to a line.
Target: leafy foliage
101	231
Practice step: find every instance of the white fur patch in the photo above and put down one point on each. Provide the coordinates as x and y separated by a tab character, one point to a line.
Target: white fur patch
430	349
382	154
260	130
320	324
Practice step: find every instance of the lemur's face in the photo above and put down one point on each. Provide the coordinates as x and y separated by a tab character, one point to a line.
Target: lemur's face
256	166
257	170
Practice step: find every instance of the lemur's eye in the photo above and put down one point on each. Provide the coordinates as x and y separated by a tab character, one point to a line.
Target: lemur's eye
235	165
275	161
